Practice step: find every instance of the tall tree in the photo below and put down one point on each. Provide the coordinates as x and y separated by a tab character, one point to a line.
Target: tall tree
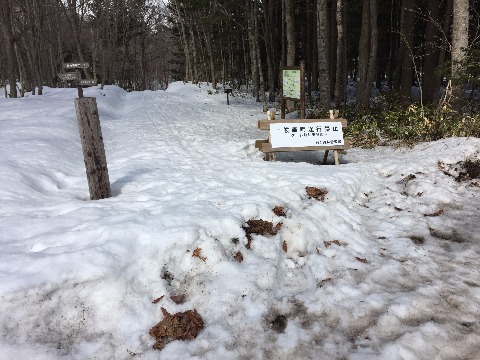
431	81
6	22
340	53
290	31
323	35
367	52
459	46
253	46
407	51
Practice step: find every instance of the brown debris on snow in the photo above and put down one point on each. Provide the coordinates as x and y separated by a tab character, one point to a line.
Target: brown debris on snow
197	253
238	256
279	211
179	326
260	227
316	193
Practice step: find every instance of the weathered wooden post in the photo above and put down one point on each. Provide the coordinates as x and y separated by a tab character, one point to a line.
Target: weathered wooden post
270	116
93	149
90	133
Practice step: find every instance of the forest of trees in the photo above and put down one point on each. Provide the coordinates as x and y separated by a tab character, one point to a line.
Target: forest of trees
142	44
126	42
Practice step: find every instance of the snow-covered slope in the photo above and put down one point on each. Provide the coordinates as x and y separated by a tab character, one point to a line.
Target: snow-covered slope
385	267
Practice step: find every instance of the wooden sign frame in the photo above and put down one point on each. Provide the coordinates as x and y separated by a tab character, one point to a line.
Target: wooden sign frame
283	98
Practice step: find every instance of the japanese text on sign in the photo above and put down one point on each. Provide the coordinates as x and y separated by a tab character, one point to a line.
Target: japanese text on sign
306	134
291	84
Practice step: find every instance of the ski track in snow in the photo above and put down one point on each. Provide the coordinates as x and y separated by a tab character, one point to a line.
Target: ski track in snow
366	275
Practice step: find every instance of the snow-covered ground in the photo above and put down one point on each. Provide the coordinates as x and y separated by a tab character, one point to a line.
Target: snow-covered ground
385	267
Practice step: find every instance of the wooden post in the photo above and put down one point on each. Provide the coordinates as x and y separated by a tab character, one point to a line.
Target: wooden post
93	149
282	100
271	116
282	108
302	89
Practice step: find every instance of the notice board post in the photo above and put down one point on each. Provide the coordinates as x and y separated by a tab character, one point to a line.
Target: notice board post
293	87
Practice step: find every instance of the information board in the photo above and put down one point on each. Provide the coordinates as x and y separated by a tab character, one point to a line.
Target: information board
306	134
291	84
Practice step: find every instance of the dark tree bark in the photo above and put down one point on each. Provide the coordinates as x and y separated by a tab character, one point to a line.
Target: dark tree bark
459	44
6	22
323	54
406	48
340	65
367	52
253	47
431	81
269	31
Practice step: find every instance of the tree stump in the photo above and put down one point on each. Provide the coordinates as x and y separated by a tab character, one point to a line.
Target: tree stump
93	149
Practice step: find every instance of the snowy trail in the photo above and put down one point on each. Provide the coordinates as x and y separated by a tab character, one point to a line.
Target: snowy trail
386	267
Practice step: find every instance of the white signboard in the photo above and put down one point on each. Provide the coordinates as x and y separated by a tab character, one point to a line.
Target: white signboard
84	65
306	134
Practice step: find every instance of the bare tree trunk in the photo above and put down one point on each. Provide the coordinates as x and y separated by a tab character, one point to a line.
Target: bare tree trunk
211	60
430	81
184	41
259	58
270	46
22	70
394	67
367	52
340	70
446	29
194	55
313	45
5	12
406	48
459	44
323	54
372	61
252	39
333	45
290	32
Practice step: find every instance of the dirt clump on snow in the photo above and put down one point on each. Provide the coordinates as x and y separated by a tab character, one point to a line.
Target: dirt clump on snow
279	323
179	326
472	167
260	227
316	193
279	211
462	170
238	256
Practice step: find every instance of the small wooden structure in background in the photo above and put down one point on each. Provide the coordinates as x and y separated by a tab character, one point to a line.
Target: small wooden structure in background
266	147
